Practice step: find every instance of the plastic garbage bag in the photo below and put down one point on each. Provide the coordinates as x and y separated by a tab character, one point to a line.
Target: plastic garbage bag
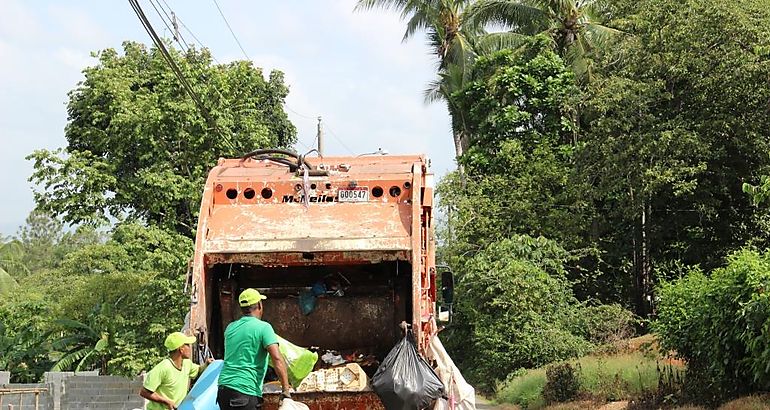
404	380
299	361
307	302
289	404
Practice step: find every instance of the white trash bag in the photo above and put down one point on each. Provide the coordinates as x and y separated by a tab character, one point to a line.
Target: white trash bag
289	404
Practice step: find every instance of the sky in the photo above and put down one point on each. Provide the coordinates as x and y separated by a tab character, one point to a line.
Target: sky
350	68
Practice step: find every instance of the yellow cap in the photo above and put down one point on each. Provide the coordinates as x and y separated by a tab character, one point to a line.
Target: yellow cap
177	339
250	297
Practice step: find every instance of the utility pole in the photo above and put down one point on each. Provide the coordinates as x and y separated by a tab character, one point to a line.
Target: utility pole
320	137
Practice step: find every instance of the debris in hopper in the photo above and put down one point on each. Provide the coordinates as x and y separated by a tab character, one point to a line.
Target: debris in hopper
332	359
350	377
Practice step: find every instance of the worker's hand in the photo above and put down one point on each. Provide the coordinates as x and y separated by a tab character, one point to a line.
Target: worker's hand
285	395
170	404
210	360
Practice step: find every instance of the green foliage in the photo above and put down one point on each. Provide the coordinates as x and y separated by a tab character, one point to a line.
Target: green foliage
44	242
562	383
108	304
575	27
129	292
720	325
513	307
601	378
24	334
11	263
517	166
137	145
603	324
672	132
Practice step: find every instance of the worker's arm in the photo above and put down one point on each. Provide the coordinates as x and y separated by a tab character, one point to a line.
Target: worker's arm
280	368
157	398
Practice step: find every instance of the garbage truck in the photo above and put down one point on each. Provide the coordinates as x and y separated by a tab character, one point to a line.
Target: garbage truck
343	248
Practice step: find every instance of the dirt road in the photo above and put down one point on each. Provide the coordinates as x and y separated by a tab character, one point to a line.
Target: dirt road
483	404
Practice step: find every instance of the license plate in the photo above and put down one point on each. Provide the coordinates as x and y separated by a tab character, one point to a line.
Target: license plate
353	195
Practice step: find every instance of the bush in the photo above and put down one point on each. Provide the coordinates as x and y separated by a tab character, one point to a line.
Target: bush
562	383
720	325
603	324
513	310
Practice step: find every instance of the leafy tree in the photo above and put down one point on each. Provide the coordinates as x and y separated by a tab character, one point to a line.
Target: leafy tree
576	27
517	169
671	131
44	242
513	311
137	145
109	304
24	336
129	292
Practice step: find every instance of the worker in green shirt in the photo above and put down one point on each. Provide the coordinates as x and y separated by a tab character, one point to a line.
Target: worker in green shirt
248	342
166	385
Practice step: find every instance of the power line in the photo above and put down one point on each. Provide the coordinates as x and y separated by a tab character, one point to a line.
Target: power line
184	26
231	30
350	151
301	115
175	69
173	28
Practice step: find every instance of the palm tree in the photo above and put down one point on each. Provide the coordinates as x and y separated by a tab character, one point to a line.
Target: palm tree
450	41
11	255
574	25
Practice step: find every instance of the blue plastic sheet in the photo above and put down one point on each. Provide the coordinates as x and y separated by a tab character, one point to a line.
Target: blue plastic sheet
203	395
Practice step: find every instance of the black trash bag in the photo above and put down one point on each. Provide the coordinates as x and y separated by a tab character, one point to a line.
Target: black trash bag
404	380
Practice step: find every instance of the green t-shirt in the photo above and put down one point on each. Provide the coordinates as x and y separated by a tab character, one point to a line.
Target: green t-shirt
170	382
246	357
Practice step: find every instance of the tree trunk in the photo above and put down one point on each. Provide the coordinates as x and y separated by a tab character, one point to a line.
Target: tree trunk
461	145
643	265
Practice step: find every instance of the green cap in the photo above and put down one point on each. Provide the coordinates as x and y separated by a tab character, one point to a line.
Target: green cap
250	297
177	339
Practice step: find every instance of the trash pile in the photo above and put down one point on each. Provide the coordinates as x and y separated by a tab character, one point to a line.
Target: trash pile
335	372
404	380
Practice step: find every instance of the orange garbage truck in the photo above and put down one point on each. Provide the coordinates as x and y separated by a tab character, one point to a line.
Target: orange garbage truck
343	247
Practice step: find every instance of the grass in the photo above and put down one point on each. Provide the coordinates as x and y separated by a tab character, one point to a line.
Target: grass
602	378
525	390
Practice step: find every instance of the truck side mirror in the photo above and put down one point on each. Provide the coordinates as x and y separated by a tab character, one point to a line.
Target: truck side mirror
447	297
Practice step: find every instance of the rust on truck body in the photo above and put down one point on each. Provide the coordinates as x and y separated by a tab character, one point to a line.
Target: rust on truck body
266	227
326	401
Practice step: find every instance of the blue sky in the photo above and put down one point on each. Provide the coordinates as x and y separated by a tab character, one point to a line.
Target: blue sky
350	68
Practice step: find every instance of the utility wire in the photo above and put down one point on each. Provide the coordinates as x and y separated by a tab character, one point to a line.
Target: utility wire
174	28
231	30
171	30
184	26
200	43
301	115
175	69
338	139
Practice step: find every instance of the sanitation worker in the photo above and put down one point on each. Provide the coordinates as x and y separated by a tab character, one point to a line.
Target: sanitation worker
166	385
248	343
